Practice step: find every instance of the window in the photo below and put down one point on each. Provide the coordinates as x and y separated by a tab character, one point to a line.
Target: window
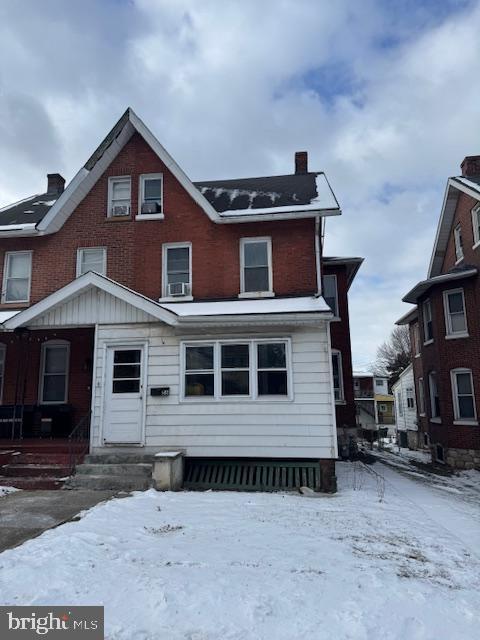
330	293
235	369
379	382
421	397
54	372
455	317
439	453
92	259
410	398
151	195
476	225
119	196
177	270
256	266
434	398
3	351
17	274
337	376
127	367
416	339
399	403
251	369
463	396
457	233
427	321
382	408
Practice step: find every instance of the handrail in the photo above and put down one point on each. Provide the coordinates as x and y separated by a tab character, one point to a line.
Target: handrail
79	434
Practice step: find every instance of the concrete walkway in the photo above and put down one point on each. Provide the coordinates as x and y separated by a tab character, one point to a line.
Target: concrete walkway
27	514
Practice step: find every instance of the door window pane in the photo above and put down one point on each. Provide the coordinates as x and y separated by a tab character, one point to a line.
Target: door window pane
127	370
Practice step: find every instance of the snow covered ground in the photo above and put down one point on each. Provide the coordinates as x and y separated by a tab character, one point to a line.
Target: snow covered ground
370	563
4	491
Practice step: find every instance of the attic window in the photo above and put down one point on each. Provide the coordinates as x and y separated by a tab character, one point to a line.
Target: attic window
150	201
458	243
119	197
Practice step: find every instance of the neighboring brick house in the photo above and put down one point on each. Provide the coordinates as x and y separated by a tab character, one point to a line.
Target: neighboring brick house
445	328
176	315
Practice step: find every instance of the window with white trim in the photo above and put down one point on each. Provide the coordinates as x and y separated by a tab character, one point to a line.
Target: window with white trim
248	369
177	270
3	353
421	397
410	397
416	339
119	196
434	397
337	370
476	224
55	357
256	276
455	314
427	321
92	259
399	403
463	395
151	194
457	234
17	275
330	293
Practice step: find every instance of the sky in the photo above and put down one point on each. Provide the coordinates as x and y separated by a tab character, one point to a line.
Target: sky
383	95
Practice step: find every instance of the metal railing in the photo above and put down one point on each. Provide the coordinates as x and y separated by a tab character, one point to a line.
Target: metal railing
79	441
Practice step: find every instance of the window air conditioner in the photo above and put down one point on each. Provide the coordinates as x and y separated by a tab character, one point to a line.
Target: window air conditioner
121	210
178	289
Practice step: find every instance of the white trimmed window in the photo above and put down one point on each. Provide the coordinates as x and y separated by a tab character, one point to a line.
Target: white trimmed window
455	315
17	275
457	234
337	370
119	196
476	225
463	395
256	277
330	293
237	369
3	353
399	403
410	398
434	397
92	259
427	321
416	339
177	270
150	200
54	365
421	397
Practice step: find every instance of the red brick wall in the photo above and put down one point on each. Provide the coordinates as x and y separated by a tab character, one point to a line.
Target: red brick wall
463	216
134	248
340	332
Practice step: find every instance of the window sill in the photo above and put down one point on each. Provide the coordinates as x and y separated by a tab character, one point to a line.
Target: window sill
235	399
21	304
466	423
428	342
118	218
150	216
455	336
436	420
256	294
176	299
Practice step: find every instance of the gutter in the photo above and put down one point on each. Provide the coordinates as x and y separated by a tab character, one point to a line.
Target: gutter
318	257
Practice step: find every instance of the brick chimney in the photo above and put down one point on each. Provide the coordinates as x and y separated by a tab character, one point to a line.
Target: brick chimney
471	166
56	184
301	162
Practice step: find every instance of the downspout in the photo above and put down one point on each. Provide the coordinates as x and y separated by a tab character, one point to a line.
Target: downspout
318	246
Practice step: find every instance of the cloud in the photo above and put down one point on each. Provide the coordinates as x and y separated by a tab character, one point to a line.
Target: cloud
383	95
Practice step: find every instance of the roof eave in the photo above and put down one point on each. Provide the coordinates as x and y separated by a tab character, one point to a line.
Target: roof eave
294	214
256	319
422	287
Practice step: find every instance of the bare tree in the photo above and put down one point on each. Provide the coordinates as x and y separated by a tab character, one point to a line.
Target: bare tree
394	355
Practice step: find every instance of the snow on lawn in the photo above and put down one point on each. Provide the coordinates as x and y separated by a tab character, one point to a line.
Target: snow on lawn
4	491
244	566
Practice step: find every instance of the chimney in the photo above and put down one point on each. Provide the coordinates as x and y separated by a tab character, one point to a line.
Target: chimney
301	162
56	184
471	166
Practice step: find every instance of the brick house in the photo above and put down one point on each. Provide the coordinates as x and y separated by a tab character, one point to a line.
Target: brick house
167	314
445	328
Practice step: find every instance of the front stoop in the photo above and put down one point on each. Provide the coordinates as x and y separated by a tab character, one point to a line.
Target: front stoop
117	472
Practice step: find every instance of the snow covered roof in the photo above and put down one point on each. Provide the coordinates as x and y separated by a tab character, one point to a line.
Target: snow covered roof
422	287
6	315
263	306
227	201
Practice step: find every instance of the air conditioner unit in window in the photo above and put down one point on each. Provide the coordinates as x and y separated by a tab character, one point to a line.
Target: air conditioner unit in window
178	289
120	210
150	207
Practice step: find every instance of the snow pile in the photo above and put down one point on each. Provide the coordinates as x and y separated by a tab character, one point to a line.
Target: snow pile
363	564
4	491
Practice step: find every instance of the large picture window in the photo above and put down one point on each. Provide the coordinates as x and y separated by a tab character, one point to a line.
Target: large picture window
455	316
17	273
251	369
256	266
54	372
463	395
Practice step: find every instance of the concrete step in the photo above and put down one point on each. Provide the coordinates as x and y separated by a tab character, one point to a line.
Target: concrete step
137	469
105	482
32	484
119	458
34	471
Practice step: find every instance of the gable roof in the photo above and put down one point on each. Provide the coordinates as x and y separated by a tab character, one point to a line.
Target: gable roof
455	186
230	201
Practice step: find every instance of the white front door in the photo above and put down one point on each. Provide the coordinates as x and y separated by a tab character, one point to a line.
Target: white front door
123	408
